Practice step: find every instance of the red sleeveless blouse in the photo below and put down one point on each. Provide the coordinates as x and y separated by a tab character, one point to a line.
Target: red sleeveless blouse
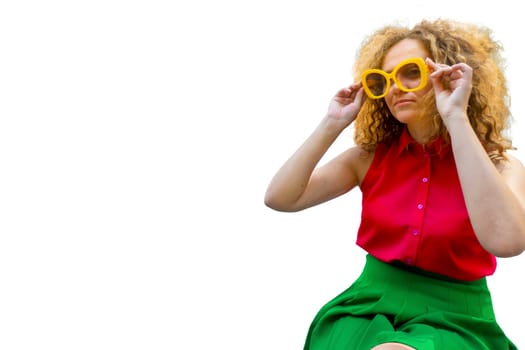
413	212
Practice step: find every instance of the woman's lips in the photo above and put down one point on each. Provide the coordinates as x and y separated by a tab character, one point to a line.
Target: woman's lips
402	102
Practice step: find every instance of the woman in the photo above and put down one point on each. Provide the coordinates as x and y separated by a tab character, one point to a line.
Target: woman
442	198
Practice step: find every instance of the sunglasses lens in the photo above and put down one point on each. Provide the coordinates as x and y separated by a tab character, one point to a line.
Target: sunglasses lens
409	76
376	83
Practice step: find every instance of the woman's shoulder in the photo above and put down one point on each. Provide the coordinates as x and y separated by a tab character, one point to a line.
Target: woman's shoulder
510	164
359	159
512	168
513	171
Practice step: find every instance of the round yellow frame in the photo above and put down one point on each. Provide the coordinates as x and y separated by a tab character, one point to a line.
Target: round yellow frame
420	62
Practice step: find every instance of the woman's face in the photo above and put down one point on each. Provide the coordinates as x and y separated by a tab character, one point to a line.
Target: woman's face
404	106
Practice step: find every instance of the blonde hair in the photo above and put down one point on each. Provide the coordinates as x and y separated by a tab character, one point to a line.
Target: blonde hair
446	42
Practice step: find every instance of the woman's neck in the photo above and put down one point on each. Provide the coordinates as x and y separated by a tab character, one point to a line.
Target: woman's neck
421	131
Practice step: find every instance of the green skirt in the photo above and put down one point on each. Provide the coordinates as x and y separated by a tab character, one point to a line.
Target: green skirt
390	303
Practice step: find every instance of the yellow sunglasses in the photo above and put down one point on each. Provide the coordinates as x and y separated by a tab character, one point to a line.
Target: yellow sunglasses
409	75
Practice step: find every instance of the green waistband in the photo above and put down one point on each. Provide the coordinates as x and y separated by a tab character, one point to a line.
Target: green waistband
374	265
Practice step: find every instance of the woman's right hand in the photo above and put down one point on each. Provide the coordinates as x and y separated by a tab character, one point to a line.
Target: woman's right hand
346	104
299	184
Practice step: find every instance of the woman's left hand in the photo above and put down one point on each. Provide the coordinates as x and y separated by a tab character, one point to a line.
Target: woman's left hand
452	87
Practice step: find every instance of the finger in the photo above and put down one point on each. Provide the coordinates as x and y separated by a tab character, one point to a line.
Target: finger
355	86
462	70
429	61
359	96
439	78
435	66
456	74
441	70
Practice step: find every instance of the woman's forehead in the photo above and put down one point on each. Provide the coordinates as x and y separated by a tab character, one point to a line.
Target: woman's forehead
407	48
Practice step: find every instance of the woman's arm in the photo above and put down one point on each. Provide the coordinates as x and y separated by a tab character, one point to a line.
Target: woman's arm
495	198
298	184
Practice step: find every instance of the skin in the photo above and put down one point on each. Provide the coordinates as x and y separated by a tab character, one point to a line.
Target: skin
392	346
494	195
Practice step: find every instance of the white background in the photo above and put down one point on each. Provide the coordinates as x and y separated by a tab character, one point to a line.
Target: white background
137	139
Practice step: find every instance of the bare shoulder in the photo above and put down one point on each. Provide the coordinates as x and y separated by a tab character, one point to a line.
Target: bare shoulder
513	171
511	166
358	160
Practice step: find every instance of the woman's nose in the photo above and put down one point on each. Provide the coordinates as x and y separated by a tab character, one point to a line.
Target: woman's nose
393	86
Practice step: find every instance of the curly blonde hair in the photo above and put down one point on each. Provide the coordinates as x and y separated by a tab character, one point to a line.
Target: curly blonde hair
447	42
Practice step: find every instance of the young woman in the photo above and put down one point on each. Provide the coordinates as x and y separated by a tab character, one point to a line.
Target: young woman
442	197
